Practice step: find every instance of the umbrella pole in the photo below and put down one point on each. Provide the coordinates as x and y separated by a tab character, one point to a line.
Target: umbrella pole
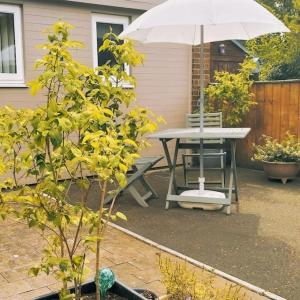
201	178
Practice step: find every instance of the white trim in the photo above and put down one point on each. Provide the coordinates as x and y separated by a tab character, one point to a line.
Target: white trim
112	19
7	79
13	85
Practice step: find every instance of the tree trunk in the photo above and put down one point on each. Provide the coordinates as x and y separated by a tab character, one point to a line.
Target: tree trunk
100	212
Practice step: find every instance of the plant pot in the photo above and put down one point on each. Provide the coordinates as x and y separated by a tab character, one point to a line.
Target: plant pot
118	289
281	170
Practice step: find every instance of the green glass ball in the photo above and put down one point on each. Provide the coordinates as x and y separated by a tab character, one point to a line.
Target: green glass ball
106	280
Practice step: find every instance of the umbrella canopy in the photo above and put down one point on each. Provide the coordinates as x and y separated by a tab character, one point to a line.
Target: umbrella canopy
195	22
179	21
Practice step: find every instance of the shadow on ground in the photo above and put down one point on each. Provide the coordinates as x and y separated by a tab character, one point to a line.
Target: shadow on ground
259	242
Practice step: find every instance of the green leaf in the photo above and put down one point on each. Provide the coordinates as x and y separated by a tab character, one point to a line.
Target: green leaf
121	178
55	138
34	271
76	152
121	216
65	123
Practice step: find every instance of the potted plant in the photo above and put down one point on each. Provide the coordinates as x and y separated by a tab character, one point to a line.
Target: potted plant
89	125
280	159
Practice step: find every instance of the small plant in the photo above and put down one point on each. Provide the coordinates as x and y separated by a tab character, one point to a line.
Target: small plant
90	125
231	94
183	284
271	150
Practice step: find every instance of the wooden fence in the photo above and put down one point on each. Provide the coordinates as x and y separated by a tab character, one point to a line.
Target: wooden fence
277	111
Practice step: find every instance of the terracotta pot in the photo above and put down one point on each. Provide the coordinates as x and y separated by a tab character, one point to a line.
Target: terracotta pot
281	170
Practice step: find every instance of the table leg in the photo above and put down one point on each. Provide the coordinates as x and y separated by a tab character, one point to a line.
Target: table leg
233	157
231	176
167	153
172	167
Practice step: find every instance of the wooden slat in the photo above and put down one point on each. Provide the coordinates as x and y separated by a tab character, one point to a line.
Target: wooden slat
294	109
277	111
284	109
268	124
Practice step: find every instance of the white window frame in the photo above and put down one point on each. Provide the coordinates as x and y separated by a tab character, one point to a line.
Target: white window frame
112	19
17	79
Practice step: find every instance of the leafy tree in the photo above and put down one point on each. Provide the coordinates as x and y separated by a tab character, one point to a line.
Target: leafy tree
90	125
231	94
279	53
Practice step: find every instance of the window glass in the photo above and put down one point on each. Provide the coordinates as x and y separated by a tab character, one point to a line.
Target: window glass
7	44
102	29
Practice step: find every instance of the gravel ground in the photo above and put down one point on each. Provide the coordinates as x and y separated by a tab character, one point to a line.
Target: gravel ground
259	242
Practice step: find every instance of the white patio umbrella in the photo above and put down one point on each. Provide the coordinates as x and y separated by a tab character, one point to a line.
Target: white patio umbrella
195	22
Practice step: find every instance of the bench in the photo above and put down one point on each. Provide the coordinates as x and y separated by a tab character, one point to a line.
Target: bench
135	175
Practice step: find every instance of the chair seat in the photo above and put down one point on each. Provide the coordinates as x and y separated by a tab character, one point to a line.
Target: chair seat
215	154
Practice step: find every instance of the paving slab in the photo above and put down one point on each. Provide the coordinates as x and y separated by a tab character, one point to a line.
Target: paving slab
134	262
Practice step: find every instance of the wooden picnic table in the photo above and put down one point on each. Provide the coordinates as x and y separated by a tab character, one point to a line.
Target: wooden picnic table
182	137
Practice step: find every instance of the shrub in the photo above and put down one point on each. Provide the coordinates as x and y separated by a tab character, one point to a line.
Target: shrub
231	94
183	284
271	150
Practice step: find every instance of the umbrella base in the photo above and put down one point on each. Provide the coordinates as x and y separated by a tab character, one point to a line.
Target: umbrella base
202	194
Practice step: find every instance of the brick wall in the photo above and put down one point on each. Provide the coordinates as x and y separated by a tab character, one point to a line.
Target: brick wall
230	61
214	61
196	72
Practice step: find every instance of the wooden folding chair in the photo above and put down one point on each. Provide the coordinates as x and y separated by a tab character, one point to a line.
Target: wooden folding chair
218	156
135	175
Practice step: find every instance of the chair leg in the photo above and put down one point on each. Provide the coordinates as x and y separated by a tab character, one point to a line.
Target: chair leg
222	171
184	169
137	196
236	184
147	186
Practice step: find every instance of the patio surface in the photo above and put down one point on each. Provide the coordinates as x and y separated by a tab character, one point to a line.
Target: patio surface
133	261
259	242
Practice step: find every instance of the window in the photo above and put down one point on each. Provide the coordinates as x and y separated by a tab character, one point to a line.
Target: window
11	56
102	24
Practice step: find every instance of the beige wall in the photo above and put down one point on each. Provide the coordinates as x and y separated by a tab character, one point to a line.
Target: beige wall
164	81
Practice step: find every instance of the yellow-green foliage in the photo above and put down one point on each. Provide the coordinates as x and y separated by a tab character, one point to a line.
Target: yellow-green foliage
279	53
89	124
231	94
271	150
182	283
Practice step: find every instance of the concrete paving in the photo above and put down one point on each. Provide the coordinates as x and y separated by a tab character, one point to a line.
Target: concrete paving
133	261
259	242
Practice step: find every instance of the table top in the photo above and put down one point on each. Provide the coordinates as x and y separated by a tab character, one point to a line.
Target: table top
207	133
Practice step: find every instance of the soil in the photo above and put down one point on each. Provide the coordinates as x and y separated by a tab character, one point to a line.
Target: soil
110	296
148	295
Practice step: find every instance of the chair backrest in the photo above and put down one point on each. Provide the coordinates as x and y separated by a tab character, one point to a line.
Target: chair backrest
210	120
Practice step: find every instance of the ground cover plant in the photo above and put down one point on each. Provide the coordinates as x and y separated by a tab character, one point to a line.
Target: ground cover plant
89	125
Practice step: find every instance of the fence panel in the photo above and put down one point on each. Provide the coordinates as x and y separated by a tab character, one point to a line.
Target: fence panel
277	111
